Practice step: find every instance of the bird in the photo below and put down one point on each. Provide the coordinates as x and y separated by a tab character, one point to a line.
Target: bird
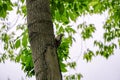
58	40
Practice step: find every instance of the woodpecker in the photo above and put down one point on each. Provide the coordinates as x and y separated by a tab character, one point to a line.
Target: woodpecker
58	40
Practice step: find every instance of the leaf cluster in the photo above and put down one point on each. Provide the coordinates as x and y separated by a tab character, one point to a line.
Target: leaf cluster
5	6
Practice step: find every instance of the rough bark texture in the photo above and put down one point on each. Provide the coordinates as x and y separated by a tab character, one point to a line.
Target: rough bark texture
42	40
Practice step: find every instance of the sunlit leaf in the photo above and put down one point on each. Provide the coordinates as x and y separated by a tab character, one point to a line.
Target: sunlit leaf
17	44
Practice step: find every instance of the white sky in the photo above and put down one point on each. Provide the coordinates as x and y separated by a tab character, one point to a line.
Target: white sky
98	69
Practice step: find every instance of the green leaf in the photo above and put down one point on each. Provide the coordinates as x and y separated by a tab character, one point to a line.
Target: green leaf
88	55
5	37
70	30
57	16
72	17
72	65
63	67
2	12
17	59
60	8
24	10
61	30
5	6
17	44
93	3
9	8
65	19
22	1
24	40
87	31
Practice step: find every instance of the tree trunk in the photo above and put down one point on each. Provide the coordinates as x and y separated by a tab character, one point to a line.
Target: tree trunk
42	40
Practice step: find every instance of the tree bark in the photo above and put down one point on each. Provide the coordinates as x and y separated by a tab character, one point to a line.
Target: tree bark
42	40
